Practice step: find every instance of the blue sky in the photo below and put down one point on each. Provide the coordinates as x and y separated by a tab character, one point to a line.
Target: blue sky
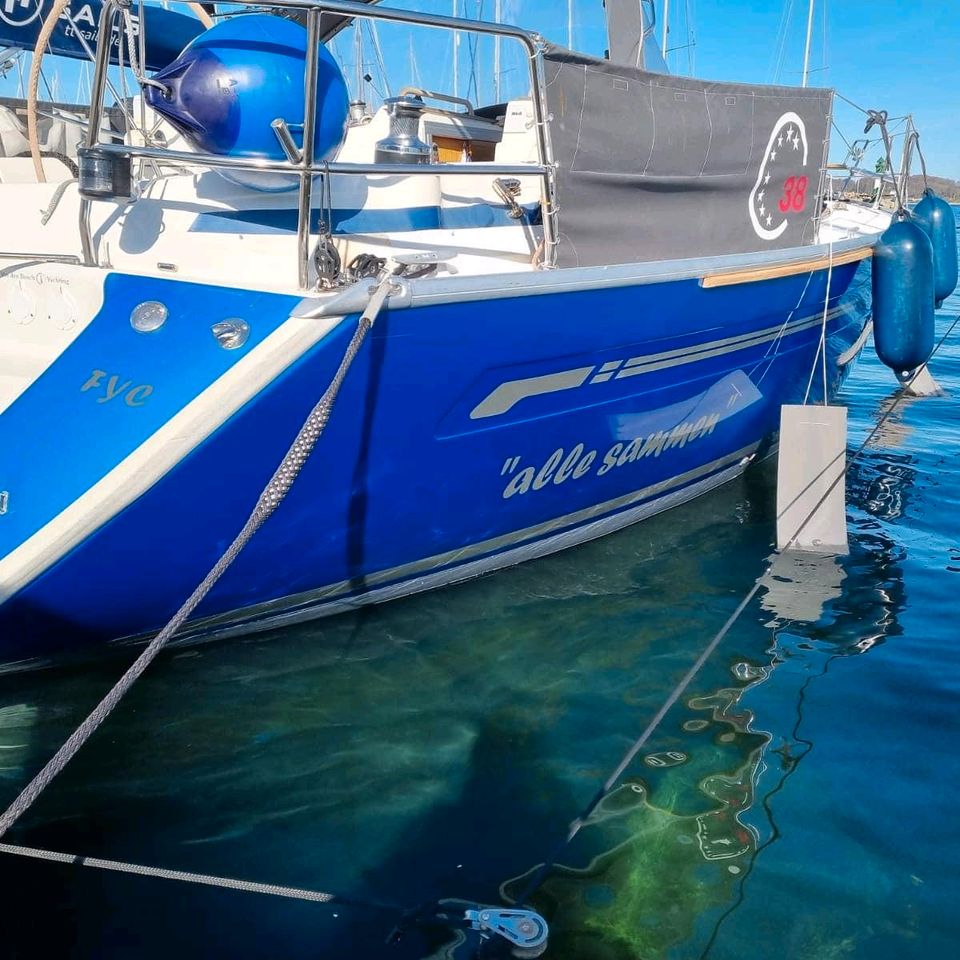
898	55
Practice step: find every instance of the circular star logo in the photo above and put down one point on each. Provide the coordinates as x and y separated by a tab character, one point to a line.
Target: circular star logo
19	13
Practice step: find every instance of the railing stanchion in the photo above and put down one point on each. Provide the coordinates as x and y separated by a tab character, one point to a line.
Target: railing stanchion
306	152
107	17
306	168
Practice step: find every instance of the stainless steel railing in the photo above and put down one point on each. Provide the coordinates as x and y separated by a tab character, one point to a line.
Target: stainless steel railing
306	167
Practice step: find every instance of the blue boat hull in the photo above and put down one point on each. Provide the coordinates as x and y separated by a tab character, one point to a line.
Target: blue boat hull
468	435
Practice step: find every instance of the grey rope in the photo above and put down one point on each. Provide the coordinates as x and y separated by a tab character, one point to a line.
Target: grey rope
539	874
915	137
203	879
138	74
270	498
250	886
55	201
879	117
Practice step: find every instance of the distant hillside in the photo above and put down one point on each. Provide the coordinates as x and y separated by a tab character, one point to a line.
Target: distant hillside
948	189
865	185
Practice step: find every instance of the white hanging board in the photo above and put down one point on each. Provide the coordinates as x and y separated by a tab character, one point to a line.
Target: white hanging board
811	488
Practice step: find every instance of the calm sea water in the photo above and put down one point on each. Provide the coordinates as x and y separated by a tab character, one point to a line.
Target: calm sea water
800	800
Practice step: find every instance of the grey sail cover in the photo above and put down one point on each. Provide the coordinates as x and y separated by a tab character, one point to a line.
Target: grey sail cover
626	26
630	34
657	167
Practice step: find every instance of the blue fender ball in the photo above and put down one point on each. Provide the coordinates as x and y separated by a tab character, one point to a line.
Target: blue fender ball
231	82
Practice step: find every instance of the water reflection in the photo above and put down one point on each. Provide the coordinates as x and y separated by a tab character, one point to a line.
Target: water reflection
667	855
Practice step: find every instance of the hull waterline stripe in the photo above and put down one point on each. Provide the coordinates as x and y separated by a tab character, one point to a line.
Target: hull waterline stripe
502	548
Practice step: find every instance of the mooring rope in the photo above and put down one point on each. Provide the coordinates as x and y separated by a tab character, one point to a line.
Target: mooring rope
540	873
270	498
249	886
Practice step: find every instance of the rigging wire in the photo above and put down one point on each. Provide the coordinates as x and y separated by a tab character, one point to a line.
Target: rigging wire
472	42
823	61
691	38
776	60
374	35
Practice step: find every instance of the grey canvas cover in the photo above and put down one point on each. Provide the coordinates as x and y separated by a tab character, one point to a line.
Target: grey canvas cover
657	167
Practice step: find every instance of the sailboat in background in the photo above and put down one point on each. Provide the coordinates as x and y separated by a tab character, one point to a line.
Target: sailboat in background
592	314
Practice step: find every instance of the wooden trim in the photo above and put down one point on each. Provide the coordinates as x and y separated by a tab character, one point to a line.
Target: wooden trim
772	271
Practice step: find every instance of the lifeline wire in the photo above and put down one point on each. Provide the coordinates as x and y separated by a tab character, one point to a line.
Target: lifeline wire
541	872
270	498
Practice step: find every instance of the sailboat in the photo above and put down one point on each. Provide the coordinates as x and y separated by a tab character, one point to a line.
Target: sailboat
586	305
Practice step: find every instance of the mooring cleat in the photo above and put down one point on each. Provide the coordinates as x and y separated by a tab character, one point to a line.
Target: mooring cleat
522	932
525	930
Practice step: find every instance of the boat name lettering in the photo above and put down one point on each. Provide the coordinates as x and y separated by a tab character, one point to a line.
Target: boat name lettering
133	396
562	466
42	278
656	443
556	469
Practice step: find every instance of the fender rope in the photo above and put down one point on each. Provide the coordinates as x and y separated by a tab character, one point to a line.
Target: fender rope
270	498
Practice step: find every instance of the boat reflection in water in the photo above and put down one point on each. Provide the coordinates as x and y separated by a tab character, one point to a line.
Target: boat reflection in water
665	859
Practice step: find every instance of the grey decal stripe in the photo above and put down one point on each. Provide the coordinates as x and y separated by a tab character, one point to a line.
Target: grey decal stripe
507	395
635	368
513	391
740	338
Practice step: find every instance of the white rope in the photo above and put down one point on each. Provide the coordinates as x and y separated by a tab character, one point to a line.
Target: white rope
33	85
201	14
822	347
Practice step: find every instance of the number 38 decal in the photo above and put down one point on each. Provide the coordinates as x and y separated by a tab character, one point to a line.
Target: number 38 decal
781	189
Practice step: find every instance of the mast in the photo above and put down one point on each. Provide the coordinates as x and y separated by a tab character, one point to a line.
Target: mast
666	21
456	53
358	48
806	48
496	56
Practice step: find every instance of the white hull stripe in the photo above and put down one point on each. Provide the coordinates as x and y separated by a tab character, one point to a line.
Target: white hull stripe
157	455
